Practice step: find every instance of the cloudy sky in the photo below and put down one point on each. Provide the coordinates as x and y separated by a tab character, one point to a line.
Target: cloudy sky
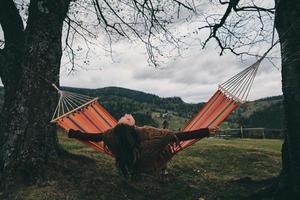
193	75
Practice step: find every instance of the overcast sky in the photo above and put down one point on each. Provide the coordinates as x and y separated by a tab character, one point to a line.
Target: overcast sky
193	76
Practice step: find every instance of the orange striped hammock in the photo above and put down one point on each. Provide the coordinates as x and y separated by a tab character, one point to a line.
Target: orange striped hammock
80	112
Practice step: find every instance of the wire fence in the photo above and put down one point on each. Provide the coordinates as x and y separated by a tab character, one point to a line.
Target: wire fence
257	133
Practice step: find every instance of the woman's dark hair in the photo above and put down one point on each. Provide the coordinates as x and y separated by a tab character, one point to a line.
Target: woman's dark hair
127	149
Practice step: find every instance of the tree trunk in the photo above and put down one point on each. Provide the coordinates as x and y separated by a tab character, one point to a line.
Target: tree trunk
287	24
28	141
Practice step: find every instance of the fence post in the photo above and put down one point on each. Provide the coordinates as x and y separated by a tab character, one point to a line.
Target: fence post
242	133
263	133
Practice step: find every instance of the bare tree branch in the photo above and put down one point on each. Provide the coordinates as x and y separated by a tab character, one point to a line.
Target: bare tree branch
2	43
254	7
101	18
184	5
71	55
145	20
214	28
228	34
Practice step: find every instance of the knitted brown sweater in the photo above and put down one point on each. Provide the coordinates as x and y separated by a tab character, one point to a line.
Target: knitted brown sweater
155	148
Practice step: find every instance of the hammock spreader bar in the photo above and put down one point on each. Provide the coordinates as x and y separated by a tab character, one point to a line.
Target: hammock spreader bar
84	113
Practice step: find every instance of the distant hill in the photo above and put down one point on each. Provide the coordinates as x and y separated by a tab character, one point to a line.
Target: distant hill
152	110
264	113
146	108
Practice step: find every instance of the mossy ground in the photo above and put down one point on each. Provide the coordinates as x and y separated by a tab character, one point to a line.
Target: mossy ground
211	169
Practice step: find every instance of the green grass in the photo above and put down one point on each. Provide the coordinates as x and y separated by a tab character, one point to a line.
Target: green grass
210	169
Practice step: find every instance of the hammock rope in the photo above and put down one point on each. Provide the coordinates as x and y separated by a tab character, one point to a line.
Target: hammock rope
69	101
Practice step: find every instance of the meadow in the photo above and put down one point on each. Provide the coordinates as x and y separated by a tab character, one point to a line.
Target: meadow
211	169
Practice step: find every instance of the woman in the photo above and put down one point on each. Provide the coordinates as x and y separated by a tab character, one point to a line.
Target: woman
140	149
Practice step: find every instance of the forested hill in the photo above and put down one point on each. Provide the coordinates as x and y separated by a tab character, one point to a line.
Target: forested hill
152	109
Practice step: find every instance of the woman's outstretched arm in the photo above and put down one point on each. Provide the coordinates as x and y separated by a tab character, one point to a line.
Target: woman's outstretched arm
95	137
195	134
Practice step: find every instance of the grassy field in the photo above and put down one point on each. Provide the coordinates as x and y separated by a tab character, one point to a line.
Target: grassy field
175	122
210	169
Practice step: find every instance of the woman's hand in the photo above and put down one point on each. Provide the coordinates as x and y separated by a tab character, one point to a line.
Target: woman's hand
213	130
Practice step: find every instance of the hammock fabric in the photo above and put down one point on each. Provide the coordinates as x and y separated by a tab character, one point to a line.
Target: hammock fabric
90	117
230	93
80	112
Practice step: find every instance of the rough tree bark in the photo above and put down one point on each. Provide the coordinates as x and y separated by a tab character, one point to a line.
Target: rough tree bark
287	24
27	140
